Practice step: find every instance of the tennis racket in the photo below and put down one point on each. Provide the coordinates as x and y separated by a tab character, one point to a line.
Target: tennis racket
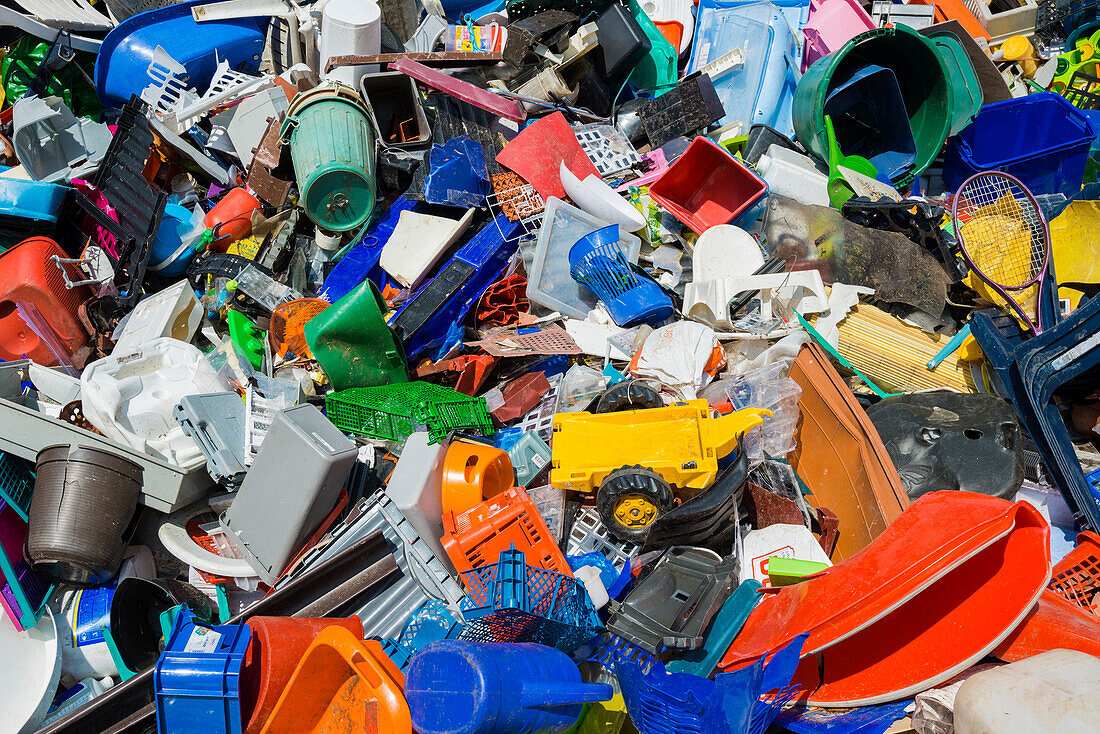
1004	238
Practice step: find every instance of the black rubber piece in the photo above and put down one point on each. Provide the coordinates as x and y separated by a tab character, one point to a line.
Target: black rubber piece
630	481
628	395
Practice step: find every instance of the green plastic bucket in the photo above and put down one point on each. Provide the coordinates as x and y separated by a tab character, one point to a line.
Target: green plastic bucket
937	81
333	147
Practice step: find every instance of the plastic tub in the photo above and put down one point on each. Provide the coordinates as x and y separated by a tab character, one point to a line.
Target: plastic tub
549	283
1040	139
759	92
83	501
832	24
938	83
706	186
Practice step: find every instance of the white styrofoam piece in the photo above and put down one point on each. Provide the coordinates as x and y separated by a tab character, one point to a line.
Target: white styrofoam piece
417	243
130	395
784	541
172	312
725	251
708	301
600	200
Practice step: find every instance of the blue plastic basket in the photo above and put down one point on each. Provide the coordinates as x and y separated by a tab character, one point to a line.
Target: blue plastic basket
16	484
430	623
514	602
597	263
1040	139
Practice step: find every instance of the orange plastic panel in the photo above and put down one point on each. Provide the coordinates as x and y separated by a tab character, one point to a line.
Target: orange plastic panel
334	686
288	321
840	456
1077	576
955	10
939	590
477	537
472	473
1054	624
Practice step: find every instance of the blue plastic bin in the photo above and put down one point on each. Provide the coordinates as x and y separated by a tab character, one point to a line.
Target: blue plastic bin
196	680
1040	139
456	687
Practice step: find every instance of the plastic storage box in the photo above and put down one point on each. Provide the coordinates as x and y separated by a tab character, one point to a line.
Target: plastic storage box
707	186
197	676
832	23
1003	19
292	485
1040	139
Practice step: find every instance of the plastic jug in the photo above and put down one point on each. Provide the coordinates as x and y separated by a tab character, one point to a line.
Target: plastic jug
459	687
231	219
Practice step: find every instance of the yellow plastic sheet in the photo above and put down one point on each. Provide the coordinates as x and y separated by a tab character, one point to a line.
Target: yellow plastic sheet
1075	248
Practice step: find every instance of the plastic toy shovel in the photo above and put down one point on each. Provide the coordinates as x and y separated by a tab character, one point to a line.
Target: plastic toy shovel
839	190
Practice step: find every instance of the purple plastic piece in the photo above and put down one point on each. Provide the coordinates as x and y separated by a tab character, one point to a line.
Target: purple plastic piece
465	91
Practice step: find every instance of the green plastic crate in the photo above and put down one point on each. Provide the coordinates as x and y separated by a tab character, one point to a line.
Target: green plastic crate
395	412
16	484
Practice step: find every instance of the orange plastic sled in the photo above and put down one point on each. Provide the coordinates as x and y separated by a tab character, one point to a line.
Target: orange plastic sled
340	686
939	590
840	456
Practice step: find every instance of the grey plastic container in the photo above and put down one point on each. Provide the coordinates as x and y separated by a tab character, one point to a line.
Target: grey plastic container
83	501
216	422
293	484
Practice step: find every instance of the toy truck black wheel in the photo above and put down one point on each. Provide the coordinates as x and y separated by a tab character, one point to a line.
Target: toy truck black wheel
628	395
630	500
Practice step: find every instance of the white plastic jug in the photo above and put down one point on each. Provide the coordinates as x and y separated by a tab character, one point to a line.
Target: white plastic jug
130	395
1057	691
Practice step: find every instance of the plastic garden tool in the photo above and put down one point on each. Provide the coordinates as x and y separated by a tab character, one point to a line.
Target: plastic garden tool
839	190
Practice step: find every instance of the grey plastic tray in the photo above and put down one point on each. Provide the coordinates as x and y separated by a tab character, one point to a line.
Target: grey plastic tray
25	430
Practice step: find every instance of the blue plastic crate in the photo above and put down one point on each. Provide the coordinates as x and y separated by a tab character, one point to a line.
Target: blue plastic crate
16	483
196	680
1040	139
514	602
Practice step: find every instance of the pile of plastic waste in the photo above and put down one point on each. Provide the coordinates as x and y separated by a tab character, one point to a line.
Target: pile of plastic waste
586	366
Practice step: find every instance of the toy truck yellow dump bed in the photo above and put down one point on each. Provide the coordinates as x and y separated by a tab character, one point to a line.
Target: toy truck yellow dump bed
681	442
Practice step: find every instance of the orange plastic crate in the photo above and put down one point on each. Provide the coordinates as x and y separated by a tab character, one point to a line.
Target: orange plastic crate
476	537
1077	576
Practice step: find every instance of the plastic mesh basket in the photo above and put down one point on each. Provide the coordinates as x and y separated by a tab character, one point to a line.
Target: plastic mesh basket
16	483
395	412
1077	576
514	602
431	622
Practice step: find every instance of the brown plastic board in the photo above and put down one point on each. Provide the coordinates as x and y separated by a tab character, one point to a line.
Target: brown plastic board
840	456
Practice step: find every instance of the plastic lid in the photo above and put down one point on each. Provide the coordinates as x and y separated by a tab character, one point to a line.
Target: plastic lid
352	13
1017	47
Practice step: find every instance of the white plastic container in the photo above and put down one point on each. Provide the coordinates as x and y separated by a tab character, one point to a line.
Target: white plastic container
29	679
1056	691
130	395
173	312
70	700
416	488
793	175
350	27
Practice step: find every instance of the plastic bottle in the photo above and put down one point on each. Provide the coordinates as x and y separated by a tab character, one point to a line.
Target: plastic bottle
68	701
183	189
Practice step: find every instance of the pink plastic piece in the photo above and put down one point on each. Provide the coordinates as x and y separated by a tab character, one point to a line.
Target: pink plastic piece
832	23
465	91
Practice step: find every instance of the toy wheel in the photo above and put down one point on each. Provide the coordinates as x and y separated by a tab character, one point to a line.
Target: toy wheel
629	395
630	500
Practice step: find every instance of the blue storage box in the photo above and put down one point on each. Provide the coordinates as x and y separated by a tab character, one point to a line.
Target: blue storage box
1040	139
196	678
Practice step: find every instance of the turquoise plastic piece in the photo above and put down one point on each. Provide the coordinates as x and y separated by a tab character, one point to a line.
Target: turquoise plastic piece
727	623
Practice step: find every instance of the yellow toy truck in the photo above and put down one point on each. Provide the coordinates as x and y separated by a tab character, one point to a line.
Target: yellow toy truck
632	460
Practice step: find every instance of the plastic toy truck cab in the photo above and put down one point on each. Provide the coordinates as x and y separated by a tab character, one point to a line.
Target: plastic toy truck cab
637	462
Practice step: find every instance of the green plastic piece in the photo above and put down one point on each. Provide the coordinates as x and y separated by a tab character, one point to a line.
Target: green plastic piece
19	67
395	412
656	72
16	484
838	188
224	614
168	620
333	147
938	85
840	357
249	337
123	672
726	624
353	344
789	571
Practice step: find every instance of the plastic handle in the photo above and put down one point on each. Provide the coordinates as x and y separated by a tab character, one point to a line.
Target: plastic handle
950	347
562	693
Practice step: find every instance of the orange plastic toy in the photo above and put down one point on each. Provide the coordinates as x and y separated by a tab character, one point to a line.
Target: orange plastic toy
338	688
476	537
472	473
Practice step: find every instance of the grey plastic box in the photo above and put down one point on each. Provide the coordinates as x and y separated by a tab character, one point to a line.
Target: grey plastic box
216	422
293	484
